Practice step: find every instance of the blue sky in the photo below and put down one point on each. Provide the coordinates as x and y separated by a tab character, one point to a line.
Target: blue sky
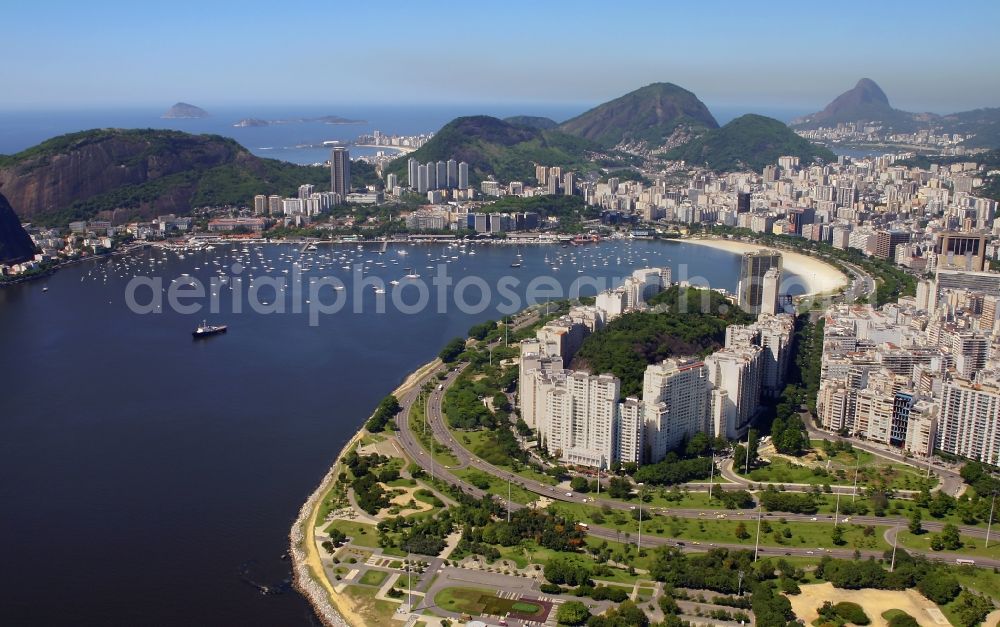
927	56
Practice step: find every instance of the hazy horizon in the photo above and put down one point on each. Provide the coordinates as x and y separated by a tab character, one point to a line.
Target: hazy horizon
779	55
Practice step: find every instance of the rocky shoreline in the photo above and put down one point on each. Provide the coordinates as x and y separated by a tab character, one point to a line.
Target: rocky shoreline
302	580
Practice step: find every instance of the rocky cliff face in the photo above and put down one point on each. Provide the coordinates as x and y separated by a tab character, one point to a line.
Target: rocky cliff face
15	244
75	168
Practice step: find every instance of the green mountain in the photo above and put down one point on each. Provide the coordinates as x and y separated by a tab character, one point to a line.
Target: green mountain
532	121
658	114
15	243
494	147
749	142
142	173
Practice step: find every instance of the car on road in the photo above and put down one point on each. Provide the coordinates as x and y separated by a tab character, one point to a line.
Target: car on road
813	519
569	494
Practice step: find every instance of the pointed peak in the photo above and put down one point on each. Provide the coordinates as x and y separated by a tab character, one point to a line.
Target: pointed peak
871	90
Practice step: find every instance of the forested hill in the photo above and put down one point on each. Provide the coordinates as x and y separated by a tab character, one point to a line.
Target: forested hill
493	147
145	172
694	324
749	142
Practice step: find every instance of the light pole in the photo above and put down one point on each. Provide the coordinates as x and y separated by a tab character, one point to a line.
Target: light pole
639	543
711	476
756	546
508	499
747	472
836	514
856	469
895	539
739	589
989	524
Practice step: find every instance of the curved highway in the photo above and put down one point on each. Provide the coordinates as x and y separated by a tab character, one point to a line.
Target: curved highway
416	452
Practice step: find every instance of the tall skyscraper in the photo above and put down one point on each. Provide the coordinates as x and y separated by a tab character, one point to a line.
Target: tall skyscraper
411	170
769	294
968	424
553	187
442	175
541	174
452	180
340	171
391	181
432	182
675	394
422	183
463	175
742	202
753	267
568	184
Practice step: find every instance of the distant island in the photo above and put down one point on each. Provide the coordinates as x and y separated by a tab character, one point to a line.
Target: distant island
183	110
326	119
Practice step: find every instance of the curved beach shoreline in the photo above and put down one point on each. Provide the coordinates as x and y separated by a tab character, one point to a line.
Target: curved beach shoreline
818	276
307	568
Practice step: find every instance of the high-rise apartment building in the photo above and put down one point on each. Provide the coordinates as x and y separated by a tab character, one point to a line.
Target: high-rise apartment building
969	421
753	267
452	175
675	394
769	293
463	175
340	172
737	371
412	172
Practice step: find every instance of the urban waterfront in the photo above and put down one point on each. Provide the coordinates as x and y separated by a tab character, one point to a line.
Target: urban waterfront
143	472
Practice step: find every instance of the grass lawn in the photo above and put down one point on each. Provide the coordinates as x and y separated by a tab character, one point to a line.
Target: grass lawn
894	475
496	485
333	499
375	611
782	471
843	458
479	601
974	547
441	453
475	441
803	534
373	578
670	499
361	534
982	580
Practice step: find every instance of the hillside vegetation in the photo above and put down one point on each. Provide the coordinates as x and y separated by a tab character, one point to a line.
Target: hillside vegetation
749	142
145	172
651	114
694	325
493	147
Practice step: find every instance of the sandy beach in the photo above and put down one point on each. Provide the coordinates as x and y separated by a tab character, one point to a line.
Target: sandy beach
819	277
333	609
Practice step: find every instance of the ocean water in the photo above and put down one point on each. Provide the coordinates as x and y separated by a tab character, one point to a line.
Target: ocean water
144	475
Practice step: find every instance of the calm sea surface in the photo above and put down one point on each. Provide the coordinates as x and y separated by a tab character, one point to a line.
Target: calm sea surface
142	472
